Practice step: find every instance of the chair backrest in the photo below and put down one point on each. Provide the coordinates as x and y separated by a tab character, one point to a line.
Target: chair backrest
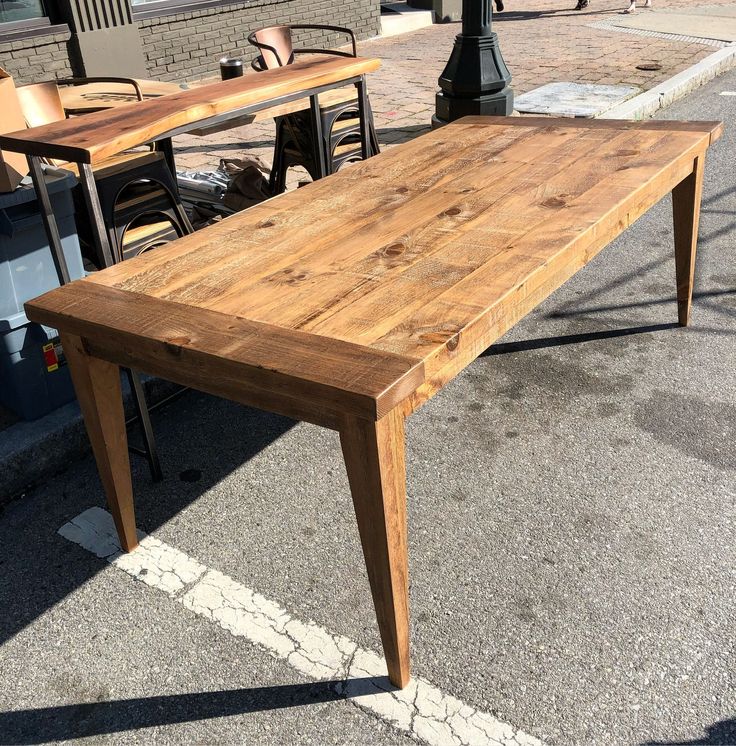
275	44
40	104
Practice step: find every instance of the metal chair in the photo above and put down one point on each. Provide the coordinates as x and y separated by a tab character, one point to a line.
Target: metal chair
116	176
340	121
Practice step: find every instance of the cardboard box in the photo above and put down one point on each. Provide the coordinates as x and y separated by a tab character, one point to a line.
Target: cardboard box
13	166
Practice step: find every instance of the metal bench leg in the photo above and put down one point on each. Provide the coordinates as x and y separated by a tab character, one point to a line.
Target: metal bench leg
318	143
97	225
364	108
144	420
49	220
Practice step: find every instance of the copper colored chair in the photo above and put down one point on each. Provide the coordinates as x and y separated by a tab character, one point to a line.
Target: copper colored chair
340	121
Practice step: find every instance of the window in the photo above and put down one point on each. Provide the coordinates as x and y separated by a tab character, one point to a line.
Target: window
12	11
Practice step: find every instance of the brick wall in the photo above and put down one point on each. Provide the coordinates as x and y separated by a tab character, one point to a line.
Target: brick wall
187	46
40	57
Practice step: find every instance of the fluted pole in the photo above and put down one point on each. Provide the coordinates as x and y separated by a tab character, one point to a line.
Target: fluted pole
476	21
476	79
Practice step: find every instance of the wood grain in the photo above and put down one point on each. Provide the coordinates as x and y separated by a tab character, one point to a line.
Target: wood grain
97	385
374	459
292	373
686	198
95	136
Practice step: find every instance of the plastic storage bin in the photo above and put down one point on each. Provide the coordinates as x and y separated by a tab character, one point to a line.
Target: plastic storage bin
34	379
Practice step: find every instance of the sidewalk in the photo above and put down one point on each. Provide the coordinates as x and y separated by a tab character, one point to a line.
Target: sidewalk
542	42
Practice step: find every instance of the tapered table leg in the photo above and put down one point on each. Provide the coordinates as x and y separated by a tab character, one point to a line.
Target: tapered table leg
374	458
97	384
686	198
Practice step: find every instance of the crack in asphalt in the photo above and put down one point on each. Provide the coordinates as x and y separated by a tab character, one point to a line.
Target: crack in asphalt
421	710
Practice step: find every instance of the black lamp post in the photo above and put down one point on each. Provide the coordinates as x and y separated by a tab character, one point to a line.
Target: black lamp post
476	79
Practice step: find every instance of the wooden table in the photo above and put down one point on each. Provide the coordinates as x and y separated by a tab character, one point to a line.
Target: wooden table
94	137
349	303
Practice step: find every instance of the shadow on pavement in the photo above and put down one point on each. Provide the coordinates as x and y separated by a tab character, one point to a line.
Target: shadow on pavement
87	719
723	733
38	568
571	339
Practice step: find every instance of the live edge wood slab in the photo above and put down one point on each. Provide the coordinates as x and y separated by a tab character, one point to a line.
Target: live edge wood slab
96	136
351	302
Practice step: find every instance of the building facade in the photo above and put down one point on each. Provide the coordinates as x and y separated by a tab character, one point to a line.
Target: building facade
180	40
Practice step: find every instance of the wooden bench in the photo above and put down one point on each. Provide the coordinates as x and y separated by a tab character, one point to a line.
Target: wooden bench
349	303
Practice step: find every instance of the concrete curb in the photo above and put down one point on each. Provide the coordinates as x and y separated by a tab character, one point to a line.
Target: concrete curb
647	103
33	451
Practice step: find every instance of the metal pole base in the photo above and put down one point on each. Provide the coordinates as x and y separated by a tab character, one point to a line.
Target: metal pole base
449	108
475	81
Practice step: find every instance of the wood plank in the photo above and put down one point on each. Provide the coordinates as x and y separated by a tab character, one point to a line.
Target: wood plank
105	133
713	128
374	460
349	265
492	227
258	364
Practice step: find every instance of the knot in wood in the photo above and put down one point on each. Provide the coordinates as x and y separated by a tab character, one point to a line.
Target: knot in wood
452	211
394	249
554	202
452	343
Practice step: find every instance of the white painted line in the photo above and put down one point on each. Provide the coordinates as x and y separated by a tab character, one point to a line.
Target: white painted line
421	710
728	93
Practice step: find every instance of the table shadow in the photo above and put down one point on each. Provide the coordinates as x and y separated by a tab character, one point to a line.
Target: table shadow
722	733
63	722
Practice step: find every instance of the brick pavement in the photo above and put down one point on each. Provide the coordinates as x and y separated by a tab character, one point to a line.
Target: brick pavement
542	41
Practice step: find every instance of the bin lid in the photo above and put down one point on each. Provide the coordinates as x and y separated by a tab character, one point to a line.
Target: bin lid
57	180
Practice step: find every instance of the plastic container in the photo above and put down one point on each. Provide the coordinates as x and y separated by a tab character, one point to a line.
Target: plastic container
34	379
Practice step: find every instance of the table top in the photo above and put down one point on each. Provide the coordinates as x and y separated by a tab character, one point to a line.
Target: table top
88	97
104	133
392	275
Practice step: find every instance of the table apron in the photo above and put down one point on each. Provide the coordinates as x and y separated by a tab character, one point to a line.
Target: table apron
317	411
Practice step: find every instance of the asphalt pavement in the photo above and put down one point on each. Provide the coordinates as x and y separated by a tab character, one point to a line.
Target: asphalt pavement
572	529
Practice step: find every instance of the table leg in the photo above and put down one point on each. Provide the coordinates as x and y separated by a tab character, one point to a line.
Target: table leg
97	384
686	198
49	219
100	239
364	121
317	135
374	458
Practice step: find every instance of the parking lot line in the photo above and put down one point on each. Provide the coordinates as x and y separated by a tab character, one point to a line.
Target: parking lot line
421	709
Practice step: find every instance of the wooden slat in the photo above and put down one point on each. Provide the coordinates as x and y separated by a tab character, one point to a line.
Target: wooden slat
101	134
714	129
289	372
